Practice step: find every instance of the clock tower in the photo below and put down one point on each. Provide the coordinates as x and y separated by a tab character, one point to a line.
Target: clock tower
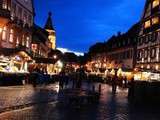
50	29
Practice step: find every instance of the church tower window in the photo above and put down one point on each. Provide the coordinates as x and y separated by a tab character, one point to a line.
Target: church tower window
147	24
155	3
155	20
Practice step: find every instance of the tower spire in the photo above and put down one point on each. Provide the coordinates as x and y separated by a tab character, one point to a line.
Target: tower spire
49	24
49	28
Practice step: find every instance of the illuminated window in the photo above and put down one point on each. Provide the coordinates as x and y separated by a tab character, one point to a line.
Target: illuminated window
11	36
4	33
155	20
147	24
23	41
4	5
153	52
155	3
17	42
27	42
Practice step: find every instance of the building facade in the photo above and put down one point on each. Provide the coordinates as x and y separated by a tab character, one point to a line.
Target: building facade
122	48
47	58
16	22
40	42
148	42
17	17
118	54
44	39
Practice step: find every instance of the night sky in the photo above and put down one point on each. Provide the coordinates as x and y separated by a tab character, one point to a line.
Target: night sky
81	23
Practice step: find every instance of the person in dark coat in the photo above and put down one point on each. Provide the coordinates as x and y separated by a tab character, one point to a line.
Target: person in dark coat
114	84
61	81
131	89
34	79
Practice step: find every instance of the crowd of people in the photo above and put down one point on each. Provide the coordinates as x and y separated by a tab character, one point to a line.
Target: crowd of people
76	78
38	77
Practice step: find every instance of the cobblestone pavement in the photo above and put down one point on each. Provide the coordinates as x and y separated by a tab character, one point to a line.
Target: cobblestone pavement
11	97
109	108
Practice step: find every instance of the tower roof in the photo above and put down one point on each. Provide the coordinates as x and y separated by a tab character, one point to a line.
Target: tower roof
49	24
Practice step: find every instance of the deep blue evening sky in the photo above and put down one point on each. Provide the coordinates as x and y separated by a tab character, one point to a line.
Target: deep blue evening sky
81	23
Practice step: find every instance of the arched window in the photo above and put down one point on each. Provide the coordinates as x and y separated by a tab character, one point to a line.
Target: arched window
155	20
11	36
4	33
147	24
23	40
17	41
27	42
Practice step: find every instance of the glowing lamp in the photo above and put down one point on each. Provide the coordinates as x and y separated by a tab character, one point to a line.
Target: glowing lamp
55	56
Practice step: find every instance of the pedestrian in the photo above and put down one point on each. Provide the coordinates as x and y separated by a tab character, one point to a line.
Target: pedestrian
34	77
66	81
62	78
125	81
73	80
79	80
131	89
114	84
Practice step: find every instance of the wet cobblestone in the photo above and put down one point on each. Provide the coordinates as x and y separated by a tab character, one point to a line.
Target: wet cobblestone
25	95
110	107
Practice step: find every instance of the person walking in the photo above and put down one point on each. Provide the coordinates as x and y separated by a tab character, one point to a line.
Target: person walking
114	84
131	89
61	81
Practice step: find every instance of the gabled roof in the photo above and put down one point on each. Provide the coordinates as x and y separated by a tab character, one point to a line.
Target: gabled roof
49	24
39	34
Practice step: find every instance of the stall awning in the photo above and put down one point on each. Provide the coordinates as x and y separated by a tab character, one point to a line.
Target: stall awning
45	60
8	51
15	51
12	51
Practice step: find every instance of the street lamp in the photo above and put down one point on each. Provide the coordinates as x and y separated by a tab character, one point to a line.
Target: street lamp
55	56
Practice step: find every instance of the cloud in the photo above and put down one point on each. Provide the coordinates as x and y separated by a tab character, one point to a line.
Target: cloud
64	50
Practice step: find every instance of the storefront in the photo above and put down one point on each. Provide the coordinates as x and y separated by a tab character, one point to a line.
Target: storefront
124	72
14	67
47	65
14	61
147	76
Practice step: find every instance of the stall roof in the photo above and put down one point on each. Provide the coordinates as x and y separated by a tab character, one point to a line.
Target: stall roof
45	60
8	51
12	51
